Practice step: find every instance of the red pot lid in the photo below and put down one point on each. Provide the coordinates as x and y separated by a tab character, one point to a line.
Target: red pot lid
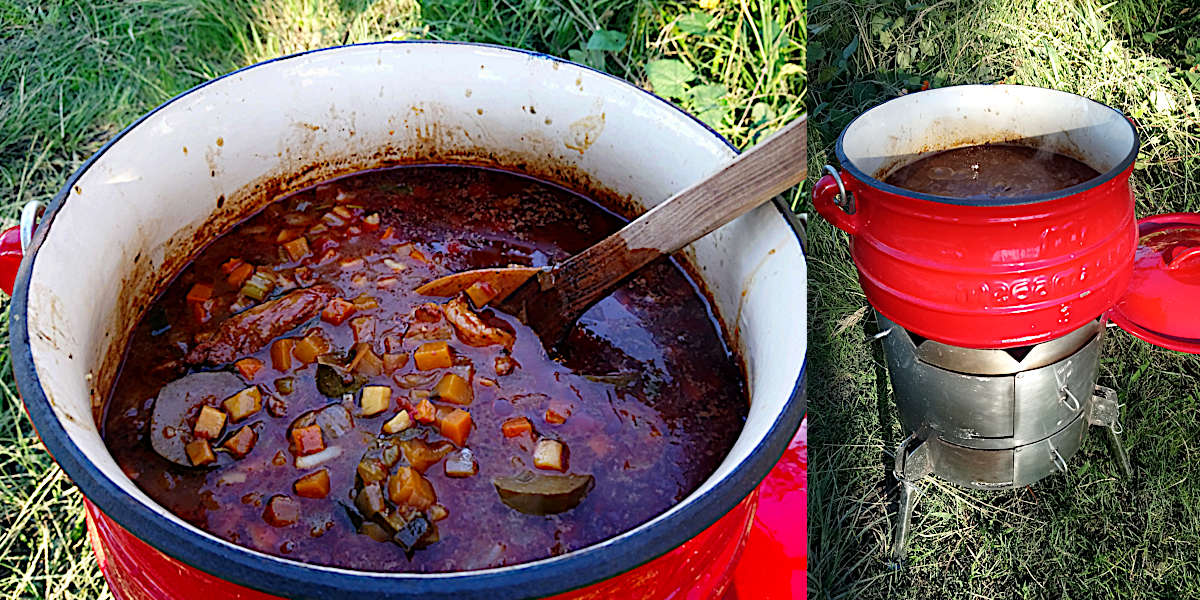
1160	304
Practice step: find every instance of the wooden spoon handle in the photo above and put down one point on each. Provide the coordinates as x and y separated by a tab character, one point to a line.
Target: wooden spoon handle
767	169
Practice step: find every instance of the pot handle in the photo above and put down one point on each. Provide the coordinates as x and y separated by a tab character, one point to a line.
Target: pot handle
834	202
13	243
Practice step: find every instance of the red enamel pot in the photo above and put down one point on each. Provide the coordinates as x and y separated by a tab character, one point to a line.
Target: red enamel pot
130	218
995	273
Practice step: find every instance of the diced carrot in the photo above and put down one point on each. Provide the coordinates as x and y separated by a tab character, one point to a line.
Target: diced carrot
433	355
516	426
421	455
281	354
393	361
363	328
407	487
297	248
307	440
425	412
337	311
388	234
287	235
281	511
240	274
248	367
201	311
210	423
231	265
310	347
243	404
456	426
313	485
200	453
558	412
200	292
481	292
454	389
418	255
241	443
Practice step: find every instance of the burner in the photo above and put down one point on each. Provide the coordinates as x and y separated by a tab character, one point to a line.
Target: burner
993	419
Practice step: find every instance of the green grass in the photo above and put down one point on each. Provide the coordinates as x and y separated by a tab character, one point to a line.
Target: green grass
1084	534
73	72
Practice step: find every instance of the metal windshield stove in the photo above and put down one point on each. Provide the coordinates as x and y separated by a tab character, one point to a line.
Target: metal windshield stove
993	419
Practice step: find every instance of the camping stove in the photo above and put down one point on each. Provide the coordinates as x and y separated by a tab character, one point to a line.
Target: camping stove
993	419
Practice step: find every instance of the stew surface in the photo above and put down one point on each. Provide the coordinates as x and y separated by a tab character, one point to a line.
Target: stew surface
992	171
289	392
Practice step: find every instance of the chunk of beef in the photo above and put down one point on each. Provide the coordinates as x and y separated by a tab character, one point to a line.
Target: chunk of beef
250	331
471	329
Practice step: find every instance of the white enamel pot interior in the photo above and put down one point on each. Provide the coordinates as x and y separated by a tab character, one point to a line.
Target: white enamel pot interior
906	129
128	220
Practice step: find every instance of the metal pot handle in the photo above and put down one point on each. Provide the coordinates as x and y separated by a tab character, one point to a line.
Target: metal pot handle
14	241
30	214
834	202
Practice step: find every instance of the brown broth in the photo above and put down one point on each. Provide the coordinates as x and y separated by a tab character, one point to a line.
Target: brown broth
655	400
992	171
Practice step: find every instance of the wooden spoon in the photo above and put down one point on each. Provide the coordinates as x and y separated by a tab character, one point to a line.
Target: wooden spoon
549	300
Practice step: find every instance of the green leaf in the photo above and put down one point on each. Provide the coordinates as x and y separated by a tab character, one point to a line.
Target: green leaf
706	102
591	58
850	49
695	23
608	41
816	51
713	117
705	95
669	77
762	112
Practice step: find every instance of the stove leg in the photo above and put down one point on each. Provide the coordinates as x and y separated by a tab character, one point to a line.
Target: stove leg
1106	412
912	464
1118	450
909	494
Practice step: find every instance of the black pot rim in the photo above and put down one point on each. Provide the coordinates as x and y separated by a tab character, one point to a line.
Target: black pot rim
293	579
1080	188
